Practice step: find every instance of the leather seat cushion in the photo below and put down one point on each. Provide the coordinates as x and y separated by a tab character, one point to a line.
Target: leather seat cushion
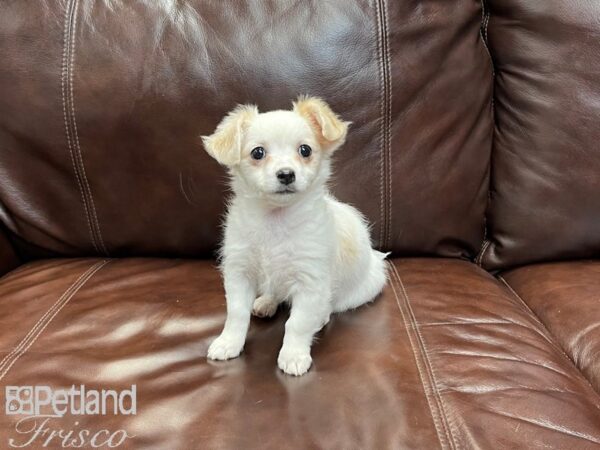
566	297
447	357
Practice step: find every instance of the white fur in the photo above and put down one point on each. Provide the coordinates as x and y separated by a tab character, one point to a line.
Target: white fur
305	247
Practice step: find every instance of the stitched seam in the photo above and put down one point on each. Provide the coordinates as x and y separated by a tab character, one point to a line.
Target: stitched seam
66	114
86	183
483	32
535	330
545	329
478	257
41	319
484	246
47	318
381	137
448	425
388	98
485	19
74	146
426	385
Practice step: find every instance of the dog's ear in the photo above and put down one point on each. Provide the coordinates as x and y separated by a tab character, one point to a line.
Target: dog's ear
331	131
225	144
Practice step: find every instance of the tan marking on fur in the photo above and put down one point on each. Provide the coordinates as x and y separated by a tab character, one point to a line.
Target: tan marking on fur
348	250
225	144
329	129
258	162
308	161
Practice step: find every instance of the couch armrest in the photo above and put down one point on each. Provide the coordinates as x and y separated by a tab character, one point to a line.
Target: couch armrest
8	257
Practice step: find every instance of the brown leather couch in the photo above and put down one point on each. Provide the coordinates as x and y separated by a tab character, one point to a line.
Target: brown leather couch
474	151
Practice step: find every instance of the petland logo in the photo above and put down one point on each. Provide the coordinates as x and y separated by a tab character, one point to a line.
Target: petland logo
41	405
32	400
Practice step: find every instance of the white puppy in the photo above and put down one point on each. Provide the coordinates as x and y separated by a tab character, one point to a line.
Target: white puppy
286	237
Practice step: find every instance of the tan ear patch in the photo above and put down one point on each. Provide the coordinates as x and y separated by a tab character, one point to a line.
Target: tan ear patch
225	144
331	131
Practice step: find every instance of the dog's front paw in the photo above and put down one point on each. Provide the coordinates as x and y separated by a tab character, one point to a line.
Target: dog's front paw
223	348
264	307
294	362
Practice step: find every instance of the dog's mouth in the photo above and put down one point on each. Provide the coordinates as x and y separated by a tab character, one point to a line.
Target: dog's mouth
286	191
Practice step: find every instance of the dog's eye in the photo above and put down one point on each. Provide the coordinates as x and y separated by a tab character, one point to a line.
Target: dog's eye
305	150
257	153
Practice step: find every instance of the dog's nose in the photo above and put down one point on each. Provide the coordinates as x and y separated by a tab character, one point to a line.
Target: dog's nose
286	176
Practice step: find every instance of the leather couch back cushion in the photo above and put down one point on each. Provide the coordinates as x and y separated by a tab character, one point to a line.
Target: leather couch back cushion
545	193
102	104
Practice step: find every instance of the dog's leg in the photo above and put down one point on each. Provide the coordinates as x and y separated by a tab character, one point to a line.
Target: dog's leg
265	306
240	294
310	312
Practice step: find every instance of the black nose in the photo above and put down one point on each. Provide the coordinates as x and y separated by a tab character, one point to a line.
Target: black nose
286	176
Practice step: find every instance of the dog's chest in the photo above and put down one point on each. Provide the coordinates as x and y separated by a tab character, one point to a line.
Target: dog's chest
279	246
287	247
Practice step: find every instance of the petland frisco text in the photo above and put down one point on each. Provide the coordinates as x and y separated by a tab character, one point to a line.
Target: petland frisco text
41	406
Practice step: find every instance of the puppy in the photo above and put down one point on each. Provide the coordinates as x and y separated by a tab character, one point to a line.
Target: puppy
287	239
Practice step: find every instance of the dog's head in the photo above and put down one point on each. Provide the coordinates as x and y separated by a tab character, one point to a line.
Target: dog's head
278	155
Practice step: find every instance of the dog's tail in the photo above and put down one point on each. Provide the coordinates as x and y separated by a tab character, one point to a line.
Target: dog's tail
380	265
381	255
